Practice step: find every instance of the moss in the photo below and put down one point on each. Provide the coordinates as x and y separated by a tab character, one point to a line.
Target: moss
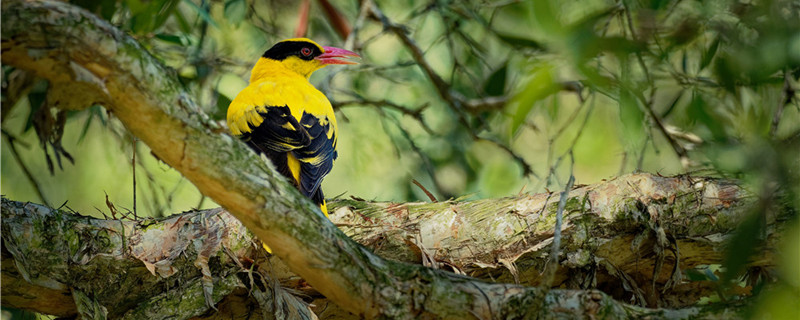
74	242
184	303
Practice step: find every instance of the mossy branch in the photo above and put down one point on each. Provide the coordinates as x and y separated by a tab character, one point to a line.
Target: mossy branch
49	255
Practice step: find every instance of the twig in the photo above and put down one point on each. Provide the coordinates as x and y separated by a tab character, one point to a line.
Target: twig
526	168
200	203
455	100
648	105
426	161
36	187
552	263
414	113
350	42
401	32
552	170
427	193
485	104
133	164
679	150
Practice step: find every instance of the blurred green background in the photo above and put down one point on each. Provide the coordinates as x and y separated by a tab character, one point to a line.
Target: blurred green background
592	88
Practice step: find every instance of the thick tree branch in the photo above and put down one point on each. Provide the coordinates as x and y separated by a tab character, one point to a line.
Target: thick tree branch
502	239
77	51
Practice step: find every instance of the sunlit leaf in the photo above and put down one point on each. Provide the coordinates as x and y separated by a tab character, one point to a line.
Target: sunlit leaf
540	84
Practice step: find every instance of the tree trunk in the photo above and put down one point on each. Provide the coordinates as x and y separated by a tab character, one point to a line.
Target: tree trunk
75	50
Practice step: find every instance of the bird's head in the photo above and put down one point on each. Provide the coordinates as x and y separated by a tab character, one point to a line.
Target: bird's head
304	56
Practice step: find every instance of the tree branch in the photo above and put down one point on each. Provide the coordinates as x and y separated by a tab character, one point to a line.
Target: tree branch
77	253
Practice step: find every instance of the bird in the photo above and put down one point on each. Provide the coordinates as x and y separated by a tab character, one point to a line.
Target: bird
281	115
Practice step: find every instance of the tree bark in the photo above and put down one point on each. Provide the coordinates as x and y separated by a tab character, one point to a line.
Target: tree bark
75	50
50	255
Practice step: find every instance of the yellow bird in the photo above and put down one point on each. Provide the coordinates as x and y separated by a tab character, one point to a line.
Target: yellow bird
281	115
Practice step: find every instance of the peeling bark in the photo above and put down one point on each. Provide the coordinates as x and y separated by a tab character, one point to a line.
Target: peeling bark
75	49
166	258
61	263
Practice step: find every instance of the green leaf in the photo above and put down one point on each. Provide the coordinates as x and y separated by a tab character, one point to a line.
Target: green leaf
87	124
659	4
107	9
709	54
546	17
183	25
147	16
235	10
36	98
698	110
743	244
517	41
165	11
222	106
540	84
684	61
169	38
496	84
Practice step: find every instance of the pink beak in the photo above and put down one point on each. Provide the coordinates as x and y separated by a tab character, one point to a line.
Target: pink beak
331	53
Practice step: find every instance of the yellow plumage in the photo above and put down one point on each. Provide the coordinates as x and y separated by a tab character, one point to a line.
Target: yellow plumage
281	115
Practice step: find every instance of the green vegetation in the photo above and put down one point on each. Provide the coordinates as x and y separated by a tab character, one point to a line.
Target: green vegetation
506	97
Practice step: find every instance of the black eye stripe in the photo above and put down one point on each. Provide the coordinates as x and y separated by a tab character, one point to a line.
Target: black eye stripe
282	50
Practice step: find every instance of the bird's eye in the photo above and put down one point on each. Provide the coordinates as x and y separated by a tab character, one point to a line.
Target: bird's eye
306	51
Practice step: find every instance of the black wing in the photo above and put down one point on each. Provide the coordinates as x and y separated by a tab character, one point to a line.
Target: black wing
281	134
316	159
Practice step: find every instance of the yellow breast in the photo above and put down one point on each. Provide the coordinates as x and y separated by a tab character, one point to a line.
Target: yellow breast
277	87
